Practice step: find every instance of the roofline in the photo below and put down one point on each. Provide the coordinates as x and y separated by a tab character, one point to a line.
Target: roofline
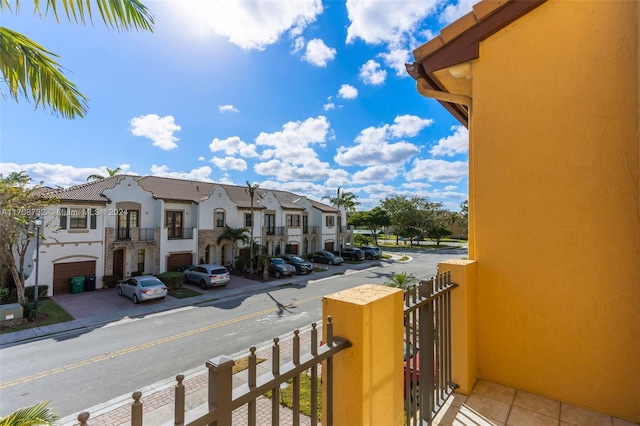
459	42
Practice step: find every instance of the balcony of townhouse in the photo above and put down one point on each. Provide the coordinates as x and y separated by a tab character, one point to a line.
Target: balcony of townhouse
311	230
180	233
272	231
134	235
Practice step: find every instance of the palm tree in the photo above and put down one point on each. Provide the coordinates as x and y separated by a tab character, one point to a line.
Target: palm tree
38	414
348	200
263	262
31	71
402	280
110	173
234	235
251	190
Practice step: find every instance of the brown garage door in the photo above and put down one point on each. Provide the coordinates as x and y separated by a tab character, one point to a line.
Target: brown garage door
175	260
62	273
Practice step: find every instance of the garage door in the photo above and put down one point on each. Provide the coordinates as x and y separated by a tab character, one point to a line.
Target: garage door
62	273
175	260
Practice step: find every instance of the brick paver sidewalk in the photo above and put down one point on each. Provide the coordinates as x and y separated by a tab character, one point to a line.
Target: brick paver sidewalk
158	406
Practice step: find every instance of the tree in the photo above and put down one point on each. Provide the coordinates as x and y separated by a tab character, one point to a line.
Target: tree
37	414
348	200
234	235
251	190
403	214
21	205
438	231
374	220
32	72
263	262
110	173
402	280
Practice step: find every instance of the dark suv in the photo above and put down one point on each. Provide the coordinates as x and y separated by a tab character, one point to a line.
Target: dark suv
371	252
278	268
301	265
352	253
324	256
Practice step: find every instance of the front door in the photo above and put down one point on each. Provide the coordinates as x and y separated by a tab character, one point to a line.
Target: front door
118	263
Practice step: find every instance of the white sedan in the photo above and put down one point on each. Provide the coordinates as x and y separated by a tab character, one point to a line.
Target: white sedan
144	287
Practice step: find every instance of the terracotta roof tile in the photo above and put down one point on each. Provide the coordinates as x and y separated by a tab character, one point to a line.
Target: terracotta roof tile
456	28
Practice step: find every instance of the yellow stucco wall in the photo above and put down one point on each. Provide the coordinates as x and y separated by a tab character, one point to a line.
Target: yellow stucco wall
555	204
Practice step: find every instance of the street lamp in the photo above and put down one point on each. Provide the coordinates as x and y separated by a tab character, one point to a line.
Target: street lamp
38	221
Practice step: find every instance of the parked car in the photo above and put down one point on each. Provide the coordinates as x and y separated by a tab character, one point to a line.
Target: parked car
278	267
371	252
352	253
141	288
301	265
207	275
183	268
324	256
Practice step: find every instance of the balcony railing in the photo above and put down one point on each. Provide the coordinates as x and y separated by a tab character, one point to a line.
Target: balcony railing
276	230
180	233
129	234
427	360
223	399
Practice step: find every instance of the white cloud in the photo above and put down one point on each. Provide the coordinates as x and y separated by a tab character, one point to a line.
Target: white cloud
233	145
298	44
438	170
458	143
396	58
378	22
408	125
318	53
309	170
454	11
374	149
201	173
159	129
370	73
254	25
230	163
450	187
63	175
347	91
375	174
329	106
293	143
227	108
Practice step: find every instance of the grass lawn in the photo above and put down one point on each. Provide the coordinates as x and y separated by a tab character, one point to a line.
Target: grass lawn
286	395
49	312
183	293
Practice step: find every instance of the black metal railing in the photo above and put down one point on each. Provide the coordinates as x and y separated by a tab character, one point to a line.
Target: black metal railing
147	234
180	233
427	341
223	399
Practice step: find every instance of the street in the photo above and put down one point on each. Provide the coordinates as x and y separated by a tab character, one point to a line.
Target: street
81	369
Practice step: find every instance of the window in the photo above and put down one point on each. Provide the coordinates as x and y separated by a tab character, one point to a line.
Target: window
293	220
248	220
305	224
141	261
78	219
126	222
63	218
270	223
220	220
329	220
173	222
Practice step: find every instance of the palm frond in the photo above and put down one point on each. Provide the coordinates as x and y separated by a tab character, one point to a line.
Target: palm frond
31	71
38	414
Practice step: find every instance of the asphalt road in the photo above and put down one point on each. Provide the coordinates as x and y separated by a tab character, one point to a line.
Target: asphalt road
82	369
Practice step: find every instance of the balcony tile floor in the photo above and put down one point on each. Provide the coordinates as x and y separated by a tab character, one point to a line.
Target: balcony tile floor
491	404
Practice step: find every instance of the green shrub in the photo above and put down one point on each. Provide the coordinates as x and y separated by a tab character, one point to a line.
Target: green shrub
173	280
43	291
110	281
5	295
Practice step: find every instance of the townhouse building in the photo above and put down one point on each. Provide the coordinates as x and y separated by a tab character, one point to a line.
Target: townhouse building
123	225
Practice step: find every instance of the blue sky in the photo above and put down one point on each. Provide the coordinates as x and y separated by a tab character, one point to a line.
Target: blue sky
303	96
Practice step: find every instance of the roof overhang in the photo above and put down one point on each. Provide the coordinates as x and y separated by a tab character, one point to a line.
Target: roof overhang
441	62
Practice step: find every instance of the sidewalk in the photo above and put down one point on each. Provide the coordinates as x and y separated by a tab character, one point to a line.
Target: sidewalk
95	309
158	399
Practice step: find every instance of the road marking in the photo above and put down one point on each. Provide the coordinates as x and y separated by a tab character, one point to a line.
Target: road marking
111	355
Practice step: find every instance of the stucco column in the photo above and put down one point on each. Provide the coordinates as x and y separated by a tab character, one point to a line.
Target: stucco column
464	323
368	380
